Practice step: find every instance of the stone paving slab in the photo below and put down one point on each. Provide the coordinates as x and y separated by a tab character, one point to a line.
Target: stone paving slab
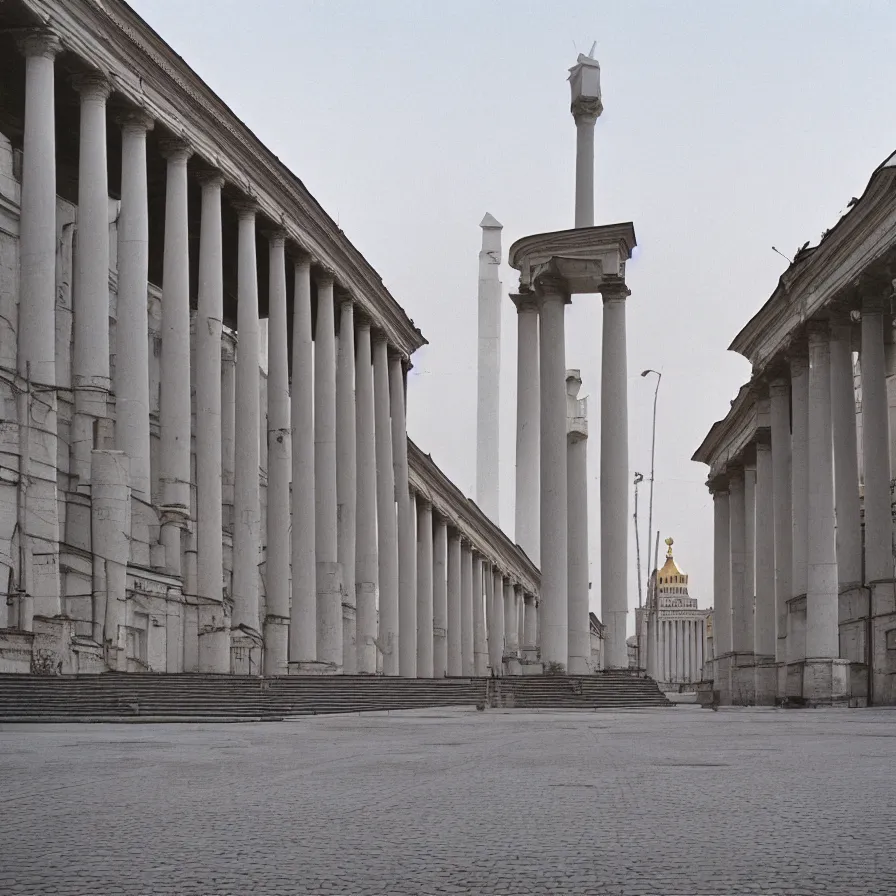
670	803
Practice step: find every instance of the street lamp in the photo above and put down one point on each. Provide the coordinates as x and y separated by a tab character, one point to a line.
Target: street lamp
656	392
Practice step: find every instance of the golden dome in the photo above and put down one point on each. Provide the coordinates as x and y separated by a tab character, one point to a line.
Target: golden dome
670	571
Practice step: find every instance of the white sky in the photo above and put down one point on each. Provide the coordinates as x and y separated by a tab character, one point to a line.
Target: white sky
728	128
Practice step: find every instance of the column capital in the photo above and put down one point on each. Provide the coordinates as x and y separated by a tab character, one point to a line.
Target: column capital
875	304
246	208
135	121
39	42
345	298
379	336
303	260
586	109
614	291
326	279
175	149
550	288
818	331
211	178
276	237
92	86
525	302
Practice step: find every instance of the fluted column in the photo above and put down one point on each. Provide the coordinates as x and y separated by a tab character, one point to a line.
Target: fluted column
467	611
302	621
553	527
174	404
37	329
277	562
846	461
528	442
480	644
90	355
779	393
347	478
440	597
875	443
498	610
455	603
822	633
614	475
366	549
764	628
424	589
387	521
246	497
329	573
407	526
799	387
214	652
131	325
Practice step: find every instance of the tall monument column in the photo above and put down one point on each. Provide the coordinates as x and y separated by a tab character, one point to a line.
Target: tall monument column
614	476
347	479
526	511
302	618
554	523
277	563
489	370
214	649
328	574
586	107
577	515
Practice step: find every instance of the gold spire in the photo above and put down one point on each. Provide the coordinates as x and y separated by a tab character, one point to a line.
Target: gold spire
670	573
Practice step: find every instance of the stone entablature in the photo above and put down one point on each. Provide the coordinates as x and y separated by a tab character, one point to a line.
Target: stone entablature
148	72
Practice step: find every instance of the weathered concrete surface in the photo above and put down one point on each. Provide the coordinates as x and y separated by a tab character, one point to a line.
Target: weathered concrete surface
681	801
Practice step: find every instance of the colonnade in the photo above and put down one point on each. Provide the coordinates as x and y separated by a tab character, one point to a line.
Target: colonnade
681	645
793	574
358	568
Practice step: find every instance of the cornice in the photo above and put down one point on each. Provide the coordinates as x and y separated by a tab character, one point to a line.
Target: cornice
823	273
728	438
428	481
143	68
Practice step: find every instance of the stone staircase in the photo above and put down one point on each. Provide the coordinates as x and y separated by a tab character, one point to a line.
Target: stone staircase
189	697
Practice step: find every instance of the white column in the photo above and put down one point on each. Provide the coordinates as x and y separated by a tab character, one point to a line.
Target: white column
799	379
366	551
585	111
467	606
90	355
688	654
875	444
526	516
741	642
228	425
667	651
779	393
303	622
387	521
214	648
721	572
328	574
489	370
554	525
174	403
424	589
440	597
846	462
701	645
511	628
347	479
480	644
749	556
529	631
407	526
822	632
764	622
37	331
614	475
455	584
493	636
131	325
246	497
277	560
519	614
579	625
500	628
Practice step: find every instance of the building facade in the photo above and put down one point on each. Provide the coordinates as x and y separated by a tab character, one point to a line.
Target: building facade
801	473
165	505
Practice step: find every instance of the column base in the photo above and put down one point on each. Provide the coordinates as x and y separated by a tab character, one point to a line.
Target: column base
765	681
826	682
512	665
349	639
214	639
722	684
743	679
276	645
311	667
246	651
793	681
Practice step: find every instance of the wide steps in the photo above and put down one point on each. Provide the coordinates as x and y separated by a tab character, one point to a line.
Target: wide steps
236	697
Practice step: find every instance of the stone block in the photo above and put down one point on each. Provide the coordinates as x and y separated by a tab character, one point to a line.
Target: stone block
743	680
15	652
826	682
793	686
765	683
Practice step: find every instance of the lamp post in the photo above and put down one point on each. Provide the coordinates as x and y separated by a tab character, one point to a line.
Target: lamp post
656	393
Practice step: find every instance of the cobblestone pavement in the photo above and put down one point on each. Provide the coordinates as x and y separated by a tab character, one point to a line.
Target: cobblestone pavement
676	801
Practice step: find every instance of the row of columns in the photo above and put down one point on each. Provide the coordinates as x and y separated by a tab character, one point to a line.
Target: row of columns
805	482
682	649
351	561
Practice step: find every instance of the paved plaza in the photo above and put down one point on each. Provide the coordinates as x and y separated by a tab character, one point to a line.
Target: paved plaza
677	801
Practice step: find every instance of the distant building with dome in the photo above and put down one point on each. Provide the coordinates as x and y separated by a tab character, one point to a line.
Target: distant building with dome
684	632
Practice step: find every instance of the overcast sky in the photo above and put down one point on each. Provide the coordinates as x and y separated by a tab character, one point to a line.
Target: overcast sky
728	128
